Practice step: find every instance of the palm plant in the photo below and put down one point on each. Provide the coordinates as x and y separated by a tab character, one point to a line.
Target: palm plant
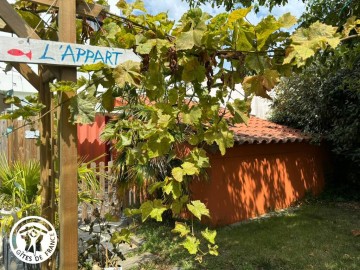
124	133
19	186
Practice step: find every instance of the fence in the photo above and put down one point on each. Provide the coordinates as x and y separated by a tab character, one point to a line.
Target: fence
19	143
107	199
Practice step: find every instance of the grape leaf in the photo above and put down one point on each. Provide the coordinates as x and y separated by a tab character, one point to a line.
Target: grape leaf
153	209
189	168
209	235
188	39
178	204
173	187
307	41
107	100
238	14
82	109
198	209
127	73
120	237
181	228
264	29
193	71
213	250
287	20
178	174
191	243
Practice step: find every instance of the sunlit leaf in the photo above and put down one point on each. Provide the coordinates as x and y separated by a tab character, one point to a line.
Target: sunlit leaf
127	73
92	67
181	228
153	209
213	250
238	14
191	243
178	174
121	237
189	168
198	209
307	41
287	20
173	187
209	235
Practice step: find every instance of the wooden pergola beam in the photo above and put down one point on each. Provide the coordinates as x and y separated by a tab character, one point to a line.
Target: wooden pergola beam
23	30
90	10
15	22
4	27
28	74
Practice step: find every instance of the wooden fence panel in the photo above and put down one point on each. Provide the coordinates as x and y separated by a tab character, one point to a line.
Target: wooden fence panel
19	147
3	138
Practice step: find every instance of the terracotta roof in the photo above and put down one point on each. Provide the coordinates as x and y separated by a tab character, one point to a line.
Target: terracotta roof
262	131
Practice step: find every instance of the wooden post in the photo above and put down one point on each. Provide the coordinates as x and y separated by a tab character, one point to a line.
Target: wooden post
68	206
46	180
45	152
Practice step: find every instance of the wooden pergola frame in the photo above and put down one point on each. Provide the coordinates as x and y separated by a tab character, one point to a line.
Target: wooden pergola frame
68	205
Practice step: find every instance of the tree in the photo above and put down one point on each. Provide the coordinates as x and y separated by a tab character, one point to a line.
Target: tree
314	100
324	100
331	12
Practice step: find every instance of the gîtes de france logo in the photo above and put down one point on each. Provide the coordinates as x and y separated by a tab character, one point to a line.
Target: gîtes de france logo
33	239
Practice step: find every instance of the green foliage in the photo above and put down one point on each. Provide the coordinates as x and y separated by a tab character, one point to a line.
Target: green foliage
122	236
232	4
209	235
153	209
198	209
19	184
308	41
324	100
95	252
331	12
191	243
165	103
181	228
20	188
26	108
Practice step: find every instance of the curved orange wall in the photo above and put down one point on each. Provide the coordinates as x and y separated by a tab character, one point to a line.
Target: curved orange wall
89	145
251	180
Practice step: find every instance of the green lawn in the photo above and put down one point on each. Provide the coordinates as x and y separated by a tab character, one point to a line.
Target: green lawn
313	236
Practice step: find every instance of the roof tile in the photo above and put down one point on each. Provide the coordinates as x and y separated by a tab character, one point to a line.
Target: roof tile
262	131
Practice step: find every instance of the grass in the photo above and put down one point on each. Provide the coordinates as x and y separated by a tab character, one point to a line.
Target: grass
313	236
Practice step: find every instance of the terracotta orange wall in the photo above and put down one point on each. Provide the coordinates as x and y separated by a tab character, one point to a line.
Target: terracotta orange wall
251	180
89	144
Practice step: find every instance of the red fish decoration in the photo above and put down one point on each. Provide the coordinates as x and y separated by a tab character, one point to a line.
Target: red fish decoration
17	52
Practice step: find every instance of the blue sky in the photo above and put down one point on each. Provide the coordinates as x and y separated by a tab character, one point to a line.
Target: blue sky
176	8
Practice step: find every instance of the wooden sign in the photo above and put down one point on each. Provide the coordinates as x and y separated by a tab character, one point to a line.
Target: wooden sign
59	53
